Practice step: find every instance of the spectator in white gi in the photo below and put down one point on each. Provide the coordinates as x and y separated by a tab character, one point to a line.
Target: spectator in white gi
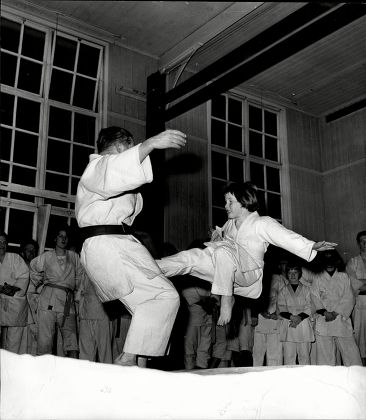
95	327
333	301
14	280
294	307
119	266
59	272
233	259
356	269
267	347
197	337
29	250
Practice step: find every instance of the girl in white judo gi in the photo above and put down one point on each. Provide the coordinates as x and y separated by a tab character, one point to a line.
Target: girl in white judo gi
356	269
116	262
233	259
294	307
58	273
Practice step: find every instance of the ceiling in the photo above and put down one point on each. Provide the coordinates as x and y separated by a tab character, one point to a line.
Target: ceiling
321	78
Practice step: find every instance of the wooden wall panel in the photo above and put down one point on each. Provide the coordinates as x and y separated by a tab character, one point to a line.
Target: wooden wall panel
344	178
307	203
345	207
303	137
344	141
128	72
186	205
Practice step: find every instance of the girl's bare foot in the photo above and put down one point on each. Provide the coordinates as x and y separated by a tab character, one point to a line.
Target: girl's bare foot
126	359
226	307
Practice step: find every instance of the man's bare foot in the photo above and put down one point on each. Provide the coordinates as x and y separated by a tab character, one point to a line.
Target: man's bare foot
126	359
141	361
226	306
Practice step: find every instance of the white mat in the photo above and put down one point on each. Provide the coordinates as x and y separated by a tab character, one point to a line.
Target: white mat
54	388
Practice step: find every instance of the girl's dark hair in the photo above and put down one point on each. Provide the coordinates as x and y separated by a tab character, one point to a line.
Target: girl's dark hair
245	193
294	263
110	135
362	233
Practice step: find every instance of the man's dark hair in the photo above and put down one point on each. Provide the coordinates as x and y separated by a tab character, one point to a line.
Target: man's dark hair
111	135
245	193
362	233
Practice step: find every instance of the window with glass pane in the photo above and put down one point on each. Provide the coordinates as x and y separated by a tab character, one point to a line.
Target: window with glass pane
245	146
46	136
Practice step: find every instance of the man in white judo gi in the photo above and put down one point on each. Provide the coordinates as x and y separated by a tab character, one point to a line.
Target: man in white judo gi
119	266
233	259
356	269
333	300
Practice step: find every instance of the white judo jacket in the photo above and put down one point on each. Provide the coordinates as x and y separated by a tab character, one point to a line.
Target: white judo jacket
295	302
249	243
106	196
333	293
14	309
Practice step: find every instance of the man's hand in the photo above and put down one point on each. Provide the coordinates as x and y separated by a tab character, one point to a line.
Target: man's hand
324	246
168	139
330	316
174	139
254	321
9	290
294	321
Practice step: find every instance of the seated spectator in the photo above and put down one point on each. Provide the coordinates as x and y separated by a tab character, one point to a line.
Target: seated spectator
14	281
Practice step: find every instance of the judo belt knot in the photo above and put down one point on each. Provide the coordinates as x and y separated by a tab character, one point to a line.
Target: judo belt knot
69	299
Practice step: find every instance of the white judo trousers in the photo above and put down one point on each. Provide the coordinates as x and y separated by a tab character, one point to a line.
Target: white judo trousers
233	263
119	266
201	263
334	293
153	301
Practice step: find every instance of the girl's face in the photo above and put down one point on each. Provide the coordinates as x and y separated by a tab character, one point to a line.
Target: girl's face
362	244
233	208
293	275
62	240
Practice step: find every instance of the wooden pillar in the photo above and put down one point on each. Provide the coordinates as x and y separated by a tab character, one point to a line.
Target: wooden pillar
151	219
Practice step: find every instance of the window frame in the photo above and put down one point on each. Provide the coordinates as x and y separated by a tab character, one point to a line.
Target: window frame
282	148
38	191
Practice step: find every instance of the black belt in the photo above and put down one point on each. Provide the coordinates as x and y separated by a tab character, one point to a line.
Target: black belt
362	293
89	231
